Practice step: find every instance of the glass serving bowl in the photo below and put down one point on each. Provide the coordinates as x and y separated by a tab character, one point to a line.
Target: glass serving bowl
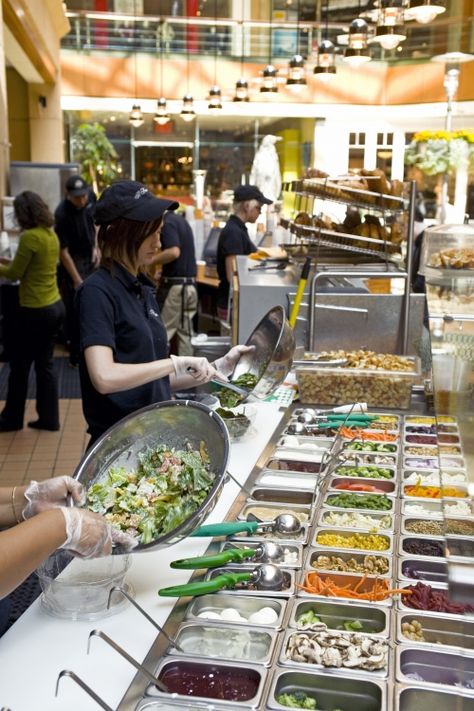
78	589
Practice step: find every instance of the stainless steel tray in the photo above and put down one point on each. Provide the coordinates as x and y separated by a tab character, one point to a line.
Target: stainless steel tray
430	570
414	519
347	533
438	668
276	495
287	480
245	606
388	487
313	553
404	540
297	462
453	631
418	698
325	515
330	691
274	510
375	619
161	705
301	537
339	472
296	549
343	579
240	589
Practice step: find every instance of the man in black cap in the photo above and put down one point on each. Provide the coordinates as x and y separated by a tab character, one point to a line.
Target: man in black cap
74	225
234	239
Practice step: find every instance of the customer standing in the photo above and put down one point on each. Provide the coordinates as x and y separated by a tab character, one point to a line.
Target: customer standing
234	239
40	315
124	363
74	225
177	295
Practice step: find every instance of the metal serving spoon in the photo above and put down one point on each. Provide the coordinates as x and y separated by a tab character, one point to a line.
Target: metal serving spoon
264	577
285	524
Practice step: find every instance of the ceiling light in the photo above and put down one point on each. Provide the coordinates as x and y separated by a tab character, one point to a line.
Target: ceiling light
269	82
135	117
162	116
389	31
325	63
215	99
187	112
424	11
357	52
241	90
453	58
296	76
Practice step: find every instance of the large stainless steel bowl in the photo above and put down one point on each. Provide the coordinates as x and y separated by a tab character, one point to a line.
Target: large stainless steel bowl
271	360
174	423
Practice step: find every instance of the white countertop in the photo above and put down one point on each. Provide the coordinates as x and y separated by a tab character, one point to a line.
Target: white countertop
38	646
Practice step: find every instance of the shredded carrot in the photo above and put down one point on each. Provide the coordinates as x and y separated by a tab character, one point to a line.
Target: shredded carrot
380	590
350	433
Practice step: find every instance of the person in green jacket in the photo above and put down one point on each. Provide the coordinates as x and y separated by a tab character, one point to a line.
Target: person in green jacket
41	313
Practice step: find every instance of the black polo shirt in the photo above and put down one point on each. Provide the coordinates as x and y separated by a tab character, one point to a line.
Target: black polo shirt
75	228
120	311
177	232
234	239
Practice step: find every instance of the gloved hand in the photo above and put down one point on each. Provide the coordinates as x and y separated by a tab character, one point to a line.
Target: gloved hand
199	368
226	365
90	536
51	493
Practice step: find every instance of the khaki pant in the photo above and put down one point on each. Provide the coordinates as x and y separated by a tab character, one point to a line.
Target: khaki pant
178	311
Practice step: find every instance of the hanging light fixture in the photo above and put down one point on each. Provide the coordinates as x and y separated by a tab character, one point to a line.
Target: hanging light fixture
241	85
326	58
357	52
215	96
296	71
270	73
424	11
390	31
135	117
161	116
187	112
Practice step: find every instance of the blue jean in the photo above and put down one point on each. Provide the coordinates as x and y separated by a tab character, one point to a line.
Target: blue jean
34	344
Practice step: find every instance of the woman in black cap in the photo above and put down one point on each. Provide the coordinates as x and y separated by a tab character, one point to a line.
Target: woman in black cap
124	363
234	239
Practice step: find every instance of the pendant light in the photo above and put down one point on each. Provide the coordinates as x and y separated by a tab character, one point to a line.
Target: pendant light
424	11
270	73
326	58
241	85
357	52
390	31
296	71
187	112
135	117
161	116
215	97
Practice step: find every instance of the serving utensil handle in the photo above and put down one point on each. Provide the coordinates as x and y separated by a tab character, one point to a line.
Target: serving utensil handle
206	586
236	555
227	528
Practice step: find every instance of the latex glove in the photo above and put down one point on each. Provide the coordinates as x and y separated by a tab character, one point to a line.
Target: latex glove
226	365
88	535
199	368
51	493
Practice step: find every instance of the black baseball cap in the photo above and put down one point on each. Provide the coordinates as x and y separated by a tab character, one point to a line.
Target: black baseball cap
250	192
76	186
132	200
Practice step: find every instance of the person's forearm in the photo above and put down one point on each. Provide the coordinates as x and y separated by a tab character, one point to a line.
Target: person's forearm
166	256
12	503
108	377
25	546
68	264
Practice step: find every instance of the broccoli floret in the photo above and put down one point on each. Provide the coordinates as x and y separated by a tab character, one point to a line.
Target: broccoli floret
297	700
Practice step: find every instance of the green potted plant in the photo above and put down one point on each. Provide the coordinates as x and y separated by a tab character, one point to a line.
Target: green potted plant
98	158
435	152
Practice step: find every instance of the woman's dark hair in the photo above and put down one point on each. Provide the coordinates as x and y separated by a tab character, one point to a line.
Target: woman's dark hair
32	211
121	239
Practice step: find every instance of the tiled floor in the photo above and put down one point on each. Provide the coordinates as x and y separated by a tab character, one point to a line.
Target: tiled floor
35	454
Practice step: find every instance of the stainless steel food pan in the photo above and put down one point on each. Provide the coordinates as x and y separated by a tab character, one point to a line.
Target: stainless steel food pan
387	487
274	495
429	570
330	692
342	579
374	619
459	547
245	606
293	553
148	704
301	537
242	589
287	480
443	669
347	534
326	518
251	676
405	541
294	462
270	511
291	634
433	509
407	520
360	459
453	631
224	641
313	554
342	470
313	443
417	698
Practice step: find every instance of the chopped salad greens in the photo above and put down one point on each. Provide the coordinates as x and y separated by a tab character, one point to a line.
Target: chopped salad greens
163	491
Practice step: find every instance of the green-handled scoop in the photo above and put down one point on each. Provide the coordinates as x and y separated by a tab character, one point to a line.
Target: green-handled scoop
266	552
285	524
265	577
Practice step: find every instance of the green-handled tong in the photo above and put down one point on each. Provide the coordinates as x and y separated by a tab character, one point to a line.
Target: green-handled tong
226	580
266	552
227	528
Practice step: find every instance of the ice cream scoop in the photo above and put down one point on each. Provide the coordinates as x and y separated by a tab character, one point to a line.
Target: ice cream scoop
264	577
285	524
266	552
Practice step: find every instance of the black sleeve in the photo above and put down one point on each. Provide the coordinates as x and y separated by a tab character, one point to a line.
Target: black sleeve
96	317
232	244
61	227
169	235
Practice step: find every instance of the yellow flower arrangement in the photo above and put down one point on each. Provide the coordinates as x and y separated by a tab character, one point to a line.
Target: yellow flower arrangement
436	152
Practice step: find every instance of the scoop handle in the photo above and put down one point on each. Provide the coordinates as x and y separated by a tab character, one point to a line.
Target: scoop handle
237	555
206	586
225	529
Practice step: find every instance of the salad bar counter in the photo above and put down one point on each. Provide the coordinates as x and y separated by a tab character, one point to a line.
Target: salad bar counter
349	609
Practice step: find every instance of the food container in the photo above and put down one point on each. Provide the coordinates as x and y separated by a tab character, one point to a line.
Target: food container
415	450
451	462
369	471
238	420
150	705
285	480
423	527
344	579
411	462
361	500
337	386
432	546
293	557
374	620
220	641
281	496
450	631
459	547
288	587
313	554
368	520
417	698
430	508
419	438
460	527
436	588
462	488
387	487
354	458
241	685
366	446
247	607
330	691
445	253
428	570
295	463
281	538
78	589
343	539
313	444
435	668
291	637
268	512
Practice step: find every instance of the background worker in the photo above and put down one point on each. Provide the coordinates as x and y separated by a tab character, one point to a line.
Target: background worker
234	239
177	295
74	225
